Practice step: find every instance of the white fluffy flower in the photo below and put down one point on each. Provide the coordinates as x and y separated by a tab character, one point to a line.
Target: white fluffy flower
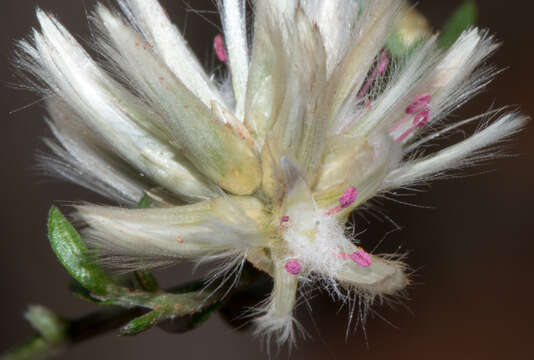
313	121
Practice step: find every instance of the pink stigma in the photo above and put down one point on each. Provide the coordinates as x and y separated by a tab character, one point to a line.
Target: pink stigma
293	267
220	48
361	258
348	197
284	219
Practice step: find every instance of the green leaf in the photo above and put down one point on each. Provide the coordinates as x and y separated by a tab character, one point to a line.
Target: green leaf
147	281
145	202
50	326
464	17
82	293
74	256
140	324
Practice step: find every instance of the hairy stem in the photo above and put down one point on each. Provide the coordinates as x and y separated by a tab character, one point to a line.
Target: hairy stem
72	332
76	331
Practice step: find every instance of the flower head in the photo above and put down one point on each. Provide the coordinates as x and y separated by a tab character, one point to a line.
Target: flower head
314	120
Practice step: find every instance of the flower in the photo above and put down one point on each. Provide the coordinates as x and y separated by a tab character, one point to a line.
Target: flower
313	120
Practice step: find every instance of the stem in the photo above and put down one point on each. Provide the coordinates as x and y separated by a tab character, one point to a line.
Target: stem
77	330
112	318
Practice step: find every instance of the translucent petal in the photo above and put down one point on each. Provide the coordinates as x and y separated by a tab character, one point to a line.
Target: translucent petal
145	238
58	61
214	148
152	21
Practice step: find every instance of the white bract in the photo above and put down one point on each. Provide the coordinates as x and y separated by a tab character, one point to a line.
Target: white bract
314	120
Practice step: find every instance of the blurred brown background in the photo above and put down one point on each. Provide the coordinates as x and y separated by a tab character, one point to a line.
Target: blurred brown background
472	247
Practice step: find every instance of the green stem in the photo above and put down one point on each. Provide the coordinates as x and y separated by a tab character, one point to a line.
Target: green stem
77	330
172	306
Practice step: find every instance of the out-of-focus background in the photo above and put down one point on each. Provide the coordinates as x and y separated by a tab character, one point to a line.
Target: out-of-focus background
471	238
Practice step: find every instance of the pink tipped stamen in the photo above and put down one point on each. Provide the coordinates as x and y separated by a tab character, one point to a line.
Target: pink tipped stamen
347	199
419	104
419	121
220	48
342	255
333	211
379	71
293	267
420	109
422	118
361	258
284	219
384	62
399	124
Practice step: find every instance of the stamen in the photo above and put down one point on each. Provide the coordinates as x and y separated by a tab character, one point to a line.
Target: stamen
420	103
349	196
220	48
293	267
342	255
400	123
347	199
384	62
379	71
284	219
419	108
180	240
419	121
422	118
361	258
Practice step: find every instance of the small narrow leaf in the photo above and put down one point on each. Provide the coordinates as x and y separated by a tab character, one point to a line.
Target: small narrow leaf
464	17
50	326
145	202
74	256
82	293
146	280
141	324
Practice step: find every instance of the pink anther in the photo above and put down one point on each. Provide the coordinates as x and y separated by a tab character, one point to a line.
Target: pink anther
293	267
422	118
379	71
384	62
419	108
348	197
284	219
361	258
220	48
419	104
